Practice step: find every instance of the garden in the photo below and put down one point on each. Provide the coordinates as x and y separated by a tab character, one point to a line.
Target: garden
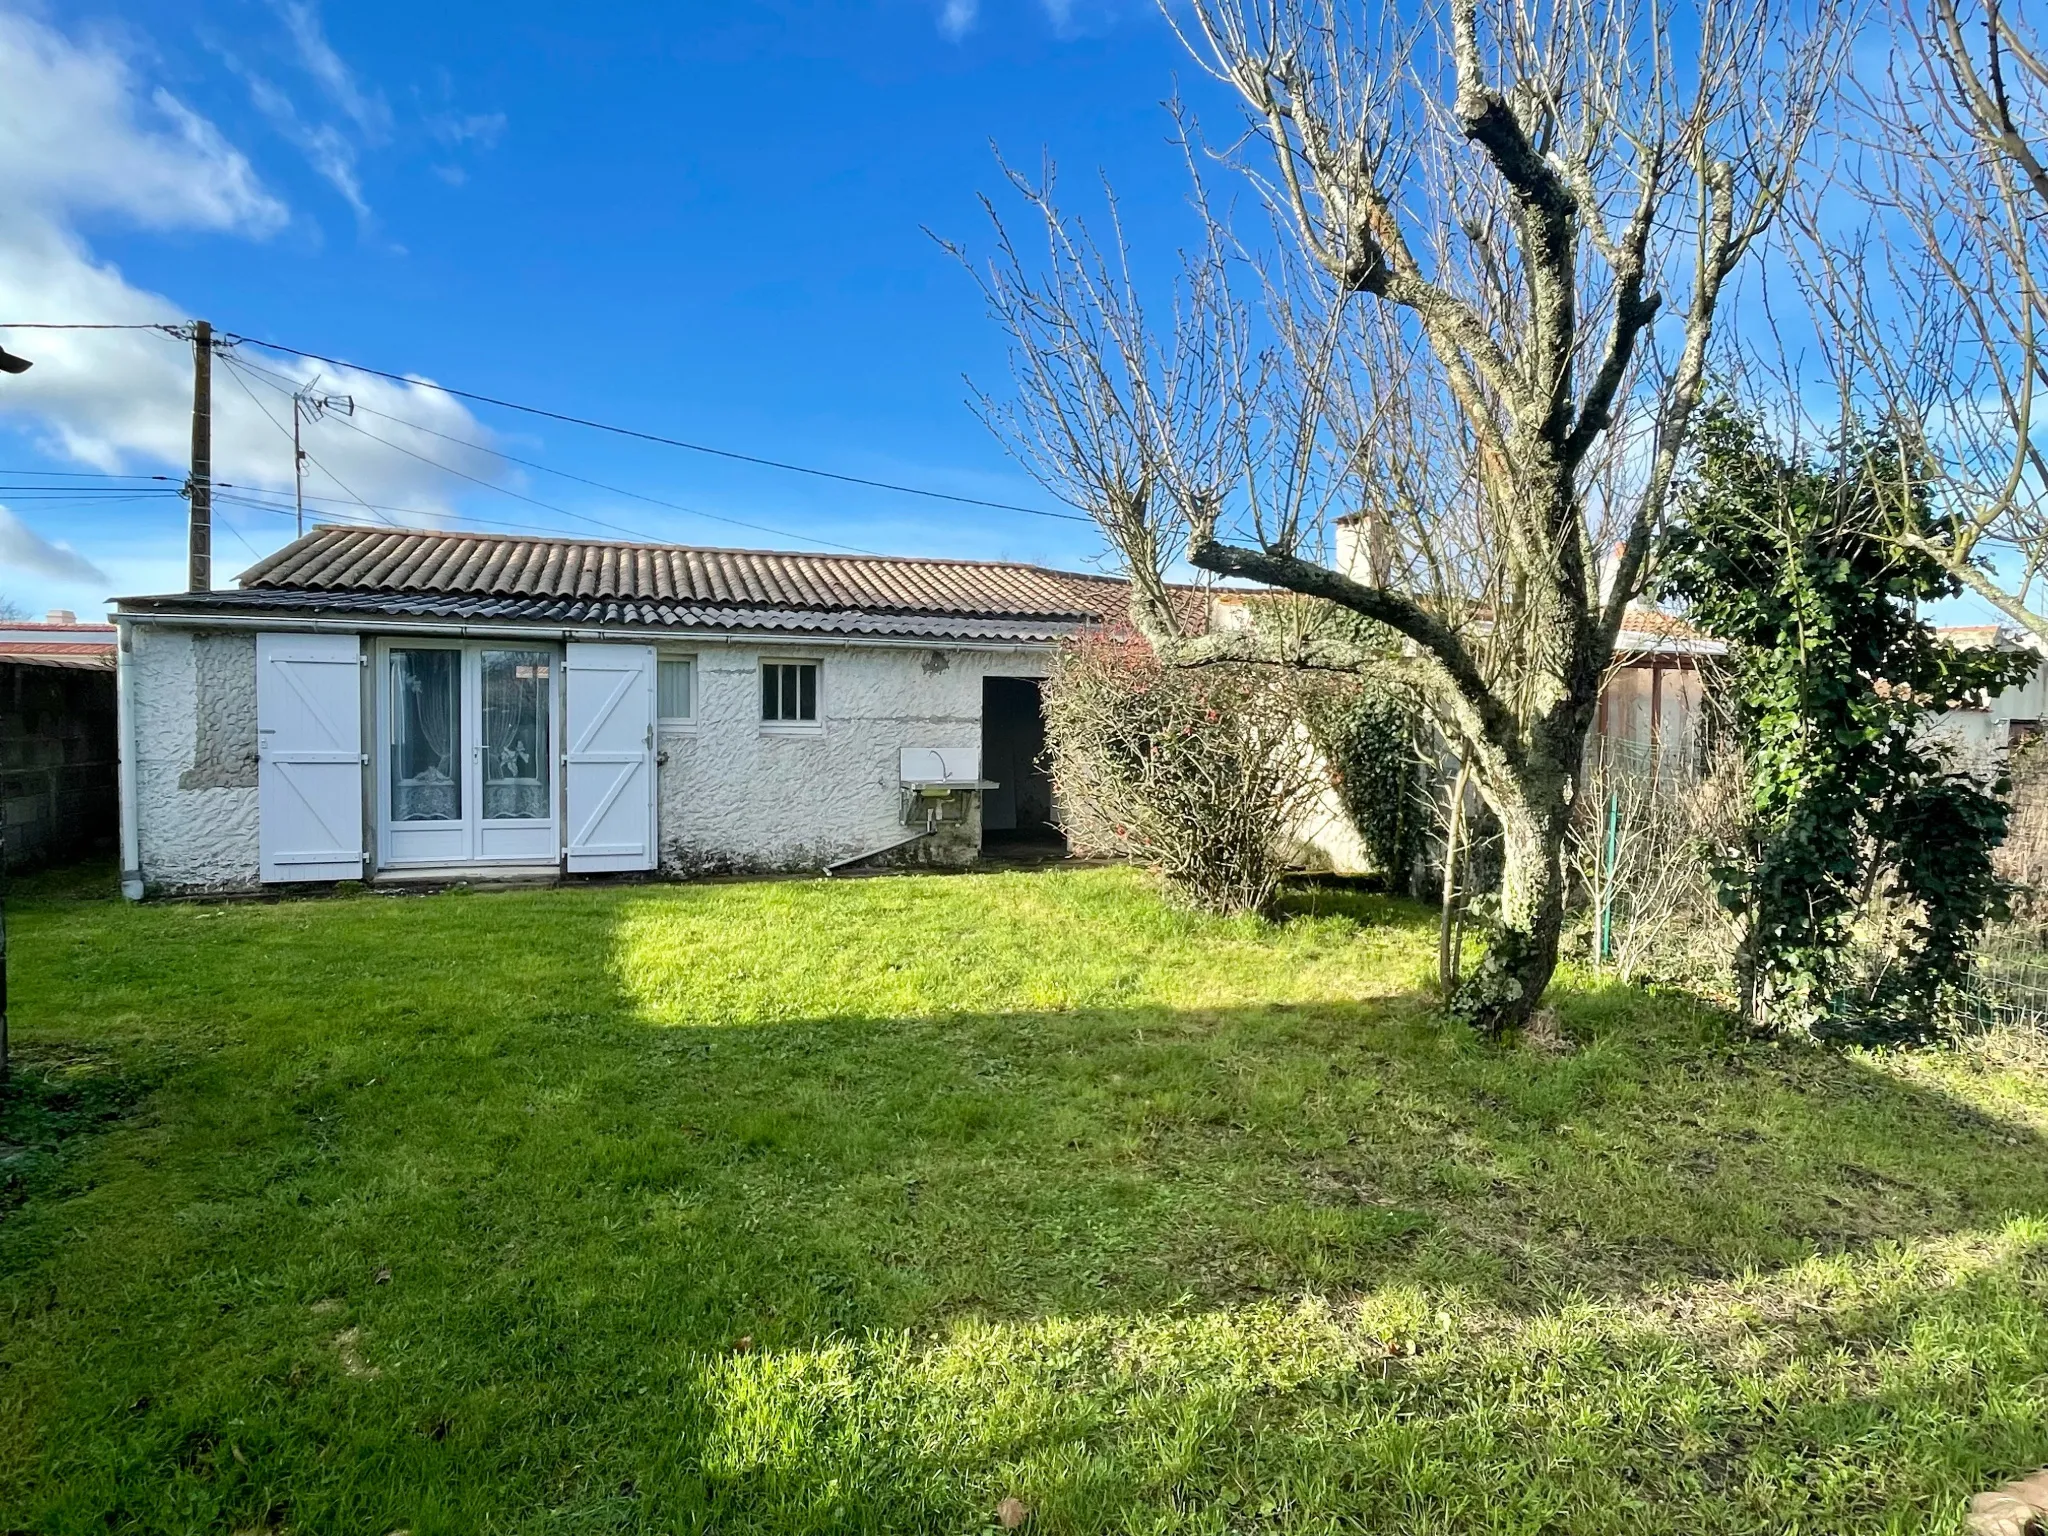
934	1203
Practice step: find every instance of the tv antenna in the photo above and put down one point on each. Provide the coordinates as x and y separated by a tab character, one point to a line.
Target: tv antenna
308	404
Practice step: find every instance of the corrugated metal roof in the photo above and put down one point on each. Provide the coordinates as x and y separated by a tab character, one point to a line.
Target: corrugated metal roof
415	562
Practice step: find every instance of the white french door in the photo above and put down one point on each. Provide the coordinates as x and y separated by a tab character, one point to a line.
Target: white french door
466	753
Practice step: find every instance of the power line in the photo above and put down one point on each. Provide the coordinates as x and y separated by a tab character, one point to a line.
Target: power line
86	501
229	339
330	474
251	503
535	501
73	325
82	474
548	469
86	492
595	522
250	496
232	339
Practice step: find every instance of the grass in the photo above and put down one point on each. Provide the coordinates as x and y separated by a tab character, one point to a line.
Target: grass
861	1206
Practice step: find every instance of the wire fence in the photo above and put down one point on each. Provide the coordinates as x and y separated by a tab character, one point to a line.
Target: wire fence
2010	981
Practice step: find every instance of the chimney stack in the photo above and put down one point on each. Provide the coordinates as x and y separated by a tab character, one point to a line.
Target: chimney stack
1610	572
1361	548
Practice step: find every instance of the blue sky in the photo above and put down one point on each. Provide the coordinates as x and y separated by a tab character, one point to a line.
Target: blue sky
705	221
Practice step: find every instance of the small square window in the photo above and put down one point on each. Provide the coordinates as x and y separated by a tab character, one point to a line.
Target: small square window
789	691
676	689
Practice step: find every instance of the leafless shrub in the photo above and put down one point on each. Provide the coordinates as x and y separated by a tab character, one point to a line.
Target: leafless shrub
2023	857
1200	775
1644	842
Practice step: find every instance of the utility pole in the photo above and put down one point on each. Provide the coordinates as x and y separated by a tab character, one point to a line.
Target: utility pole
298	467
199	544
9	363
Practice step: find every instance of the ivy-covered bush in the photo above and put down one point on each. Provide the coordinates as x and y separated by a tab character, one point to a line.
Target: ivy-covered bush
1862	873
1199	773
1371	743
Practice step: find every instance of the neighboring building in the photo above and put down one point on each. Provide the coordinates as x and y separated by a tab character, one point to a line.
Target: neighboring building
57	740
399	704
1980	733
1655	698
1653	704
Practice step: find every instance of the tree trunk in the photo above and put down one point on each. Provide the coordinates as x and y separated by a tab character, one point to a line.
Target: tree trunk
1448	935
1506	985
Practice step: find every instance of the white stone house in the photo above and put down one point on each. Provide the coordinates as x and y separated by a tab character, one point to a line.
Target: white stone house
393	705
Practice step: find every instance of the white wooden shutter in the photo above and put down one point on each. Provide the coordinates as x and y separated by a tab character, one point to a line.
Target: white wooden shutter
309	734
608	769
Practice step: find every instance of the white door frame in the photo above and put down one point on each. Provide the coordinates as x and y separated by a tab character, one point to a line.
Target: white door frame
470	839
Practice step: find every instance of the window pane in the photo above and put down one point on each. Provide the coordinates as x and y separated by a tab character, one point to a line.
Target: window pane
770	699
426	735
672	690
515	740
788	692
807	703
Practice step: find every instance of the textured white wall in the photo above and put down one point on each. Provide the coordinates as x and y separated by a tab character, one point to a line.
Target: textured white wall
1980	737
195	795
736	796
1325	839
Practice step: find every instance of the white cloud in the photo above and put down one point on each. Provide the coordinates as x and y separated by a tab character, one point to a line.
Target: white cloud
326	148
368	110
23	549
79	135
456	129
331	149
957	17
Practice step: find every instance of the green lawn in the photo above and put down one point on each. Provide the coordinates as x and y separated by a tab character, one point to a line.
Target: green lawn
861	1206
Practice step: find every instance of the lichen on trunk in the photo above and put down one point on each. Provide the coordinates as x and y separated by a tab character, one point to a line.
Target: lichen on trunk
1505	987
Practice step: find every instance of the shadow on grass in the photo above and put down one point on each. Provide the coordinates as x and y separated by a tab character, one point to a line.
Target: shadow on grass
52	1105
356	1063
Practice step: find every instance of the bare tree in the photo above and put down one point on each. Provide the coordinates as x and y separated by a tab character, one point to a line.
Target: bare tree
1456	333
1925	260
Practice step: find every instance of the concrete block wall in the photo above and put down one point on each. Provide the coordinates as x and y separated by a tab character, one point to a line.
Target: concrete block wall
58	755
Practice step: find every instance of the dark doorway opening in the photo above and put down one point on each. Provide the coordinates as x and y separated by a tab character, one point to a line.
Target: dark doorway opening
1017	814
